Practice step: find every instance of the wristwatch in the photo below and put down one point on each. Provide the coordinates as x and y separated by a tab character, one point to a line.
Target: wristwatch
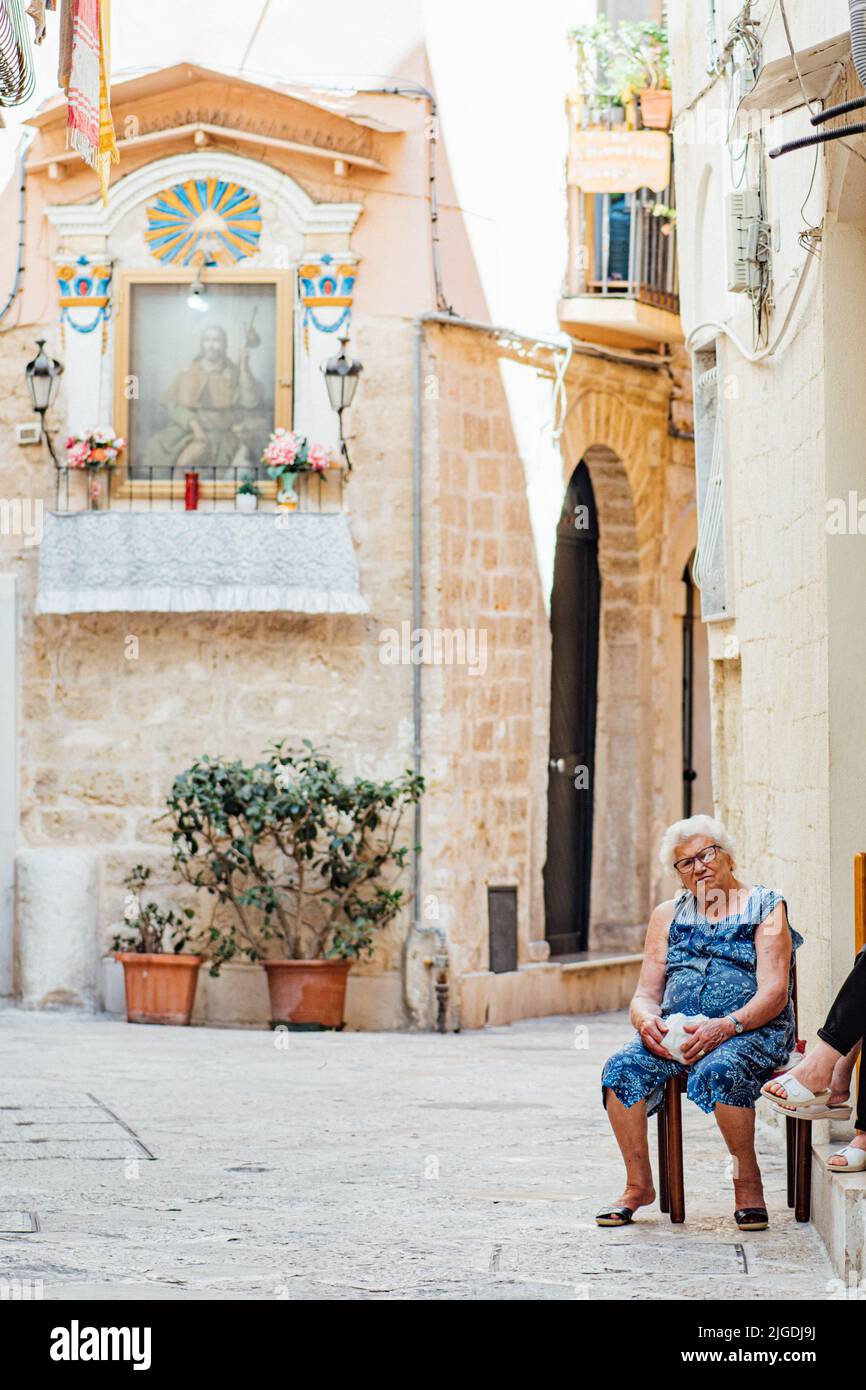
738	1027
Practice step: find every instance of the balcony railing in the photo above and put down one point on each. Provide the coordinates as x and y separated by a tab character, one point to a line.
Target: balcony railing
627	248
181	489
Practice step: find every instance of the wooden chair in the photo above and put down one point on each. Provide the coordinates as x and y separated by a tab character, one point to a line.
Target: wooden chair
798	1147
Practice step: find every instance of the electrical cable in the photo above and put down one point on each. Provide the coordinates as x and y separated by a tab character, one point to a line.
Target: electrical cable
737	342
19	266
818	116
389	86
856	105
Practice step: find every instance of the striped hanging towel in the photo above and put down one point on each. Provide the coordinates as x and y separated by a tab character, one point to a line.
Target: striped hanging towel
108	153
82	122
89	127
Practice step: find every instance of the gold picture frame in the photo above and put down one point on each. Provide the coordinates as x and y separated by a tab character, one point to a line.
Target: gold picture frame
129	488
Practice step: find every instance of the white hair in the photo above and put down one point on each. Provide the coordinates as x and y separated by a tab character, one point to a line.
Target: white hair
683	830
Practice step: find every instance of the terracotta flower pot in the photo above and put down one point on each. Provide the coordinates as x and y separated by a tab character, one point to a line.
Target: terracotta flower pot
159	988
307	994
656	108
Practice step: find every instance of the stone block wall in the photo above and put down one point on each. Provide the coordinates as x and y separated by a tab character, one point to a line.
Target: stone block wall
486	734
103	734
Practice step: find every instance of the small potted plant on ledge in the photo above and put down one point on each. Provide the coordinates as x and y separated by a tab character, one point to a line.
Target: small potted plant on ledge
303	864
97	450
247	496
287	454
644	70
160	978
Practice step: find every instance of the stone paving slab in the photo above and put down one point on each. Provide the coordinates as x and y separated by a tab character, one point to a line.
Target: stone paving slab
359	1166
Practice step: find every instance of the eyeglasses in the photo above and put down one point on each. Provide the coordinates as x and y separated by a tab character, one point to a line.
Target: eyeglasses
706	856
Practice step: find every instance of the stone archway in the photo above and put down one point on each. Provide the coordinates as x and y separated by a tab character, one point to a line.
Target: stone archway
621	431
618	887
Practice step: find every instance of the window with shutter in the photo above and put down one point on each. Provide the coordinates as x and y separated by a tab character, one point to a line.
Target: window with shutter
709	566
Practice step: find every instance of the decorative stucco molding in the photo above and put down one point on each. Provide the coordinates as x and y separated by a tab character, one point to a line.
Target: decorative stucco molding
310	217
85	295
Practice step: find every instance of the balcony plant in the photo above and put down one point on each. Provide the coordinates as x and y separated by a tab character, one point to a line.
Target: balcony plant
287	454
247	496
642	69
595	53
96	450
304	866
160	975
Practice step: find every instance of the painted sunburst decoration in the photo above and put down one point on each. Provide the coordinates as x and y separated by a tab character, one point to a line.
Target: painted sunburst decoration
202	218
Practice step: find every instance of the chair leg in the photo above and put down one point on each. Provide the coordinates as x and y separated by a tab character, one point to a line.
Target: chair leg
803	1194
664	1180
674	1140
790	1157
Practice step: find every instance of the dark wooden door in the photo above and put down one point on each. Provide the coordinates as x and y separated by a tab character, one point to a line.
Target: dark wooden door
574	622
688	687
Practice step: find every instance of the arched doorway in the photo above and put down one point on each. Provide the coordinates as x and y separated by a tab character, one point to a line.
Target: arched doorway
697	789
574	622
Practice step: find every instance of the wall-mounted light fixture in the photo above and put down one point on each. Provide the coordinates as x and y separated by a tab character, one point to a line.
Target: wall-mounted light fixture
197	298
42	375
341	378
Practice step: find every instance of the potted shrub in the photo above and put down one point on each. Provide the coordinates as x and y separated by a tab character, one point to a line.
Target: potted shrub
643	69
303	864
159	977
247	496
287	454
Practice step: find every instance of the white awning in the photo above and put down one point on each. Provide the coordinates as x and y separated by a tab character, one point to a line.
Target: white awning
198	562
778	87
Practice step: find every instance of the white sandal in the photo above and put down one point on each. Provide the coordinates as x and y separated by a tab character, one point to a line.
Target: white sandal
818	1111
855	1160
798	1095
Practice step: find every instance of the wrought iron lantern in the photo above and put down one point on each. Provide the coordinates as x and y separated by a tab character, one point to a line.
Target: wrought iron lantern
341	379
42	375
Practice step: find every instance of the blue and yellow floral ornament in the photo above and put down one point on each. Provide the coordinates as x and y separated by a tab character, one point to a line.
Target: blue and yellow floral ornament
202	218
329	285
85	297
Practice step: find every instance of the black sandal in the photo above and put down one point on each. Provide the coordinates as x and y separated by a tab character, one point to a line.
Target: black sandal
615	1216
752	1218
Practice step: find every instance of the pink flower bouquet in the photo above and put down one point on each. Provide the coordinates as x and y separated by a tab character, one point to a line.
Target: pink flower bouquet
289	452
96	448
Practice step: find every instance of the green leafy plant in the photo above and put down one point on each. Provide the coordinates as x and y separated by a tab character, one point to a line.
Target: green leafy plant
663	210
642	58
614	63
594	52
247	486
303	862
149	928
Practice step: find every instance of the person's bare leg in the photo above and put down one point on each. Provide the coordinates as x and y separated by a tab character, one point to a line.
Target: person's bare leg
840	1082
842	1079
815	1071
629	1124
737	1124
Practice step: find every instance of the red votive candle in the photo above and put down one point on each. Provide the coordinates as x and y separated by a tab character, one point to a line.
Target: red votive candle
191	495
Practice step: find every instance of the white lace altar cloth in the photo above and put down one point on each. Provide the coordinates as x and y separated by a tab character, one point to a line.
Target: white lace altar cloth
198	562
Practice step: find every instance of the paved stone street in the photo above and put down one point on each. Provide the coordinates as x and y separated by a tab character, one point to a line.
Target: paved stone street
166	1163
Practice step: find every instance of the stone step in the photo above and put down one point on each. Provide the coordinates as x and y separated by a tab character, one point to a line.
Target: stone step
839	1214
594	982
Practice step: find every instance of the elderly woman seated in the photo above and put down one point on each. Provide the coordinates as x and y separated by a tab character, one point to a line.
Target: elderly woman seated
723	949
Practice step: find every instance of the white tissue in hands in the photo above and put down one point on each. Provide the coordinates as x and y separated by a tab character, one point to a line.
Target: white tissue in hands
675	1039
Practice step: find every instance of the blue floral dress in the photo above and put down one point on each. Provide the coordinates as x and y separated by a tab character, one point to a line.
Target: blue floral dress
710	969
